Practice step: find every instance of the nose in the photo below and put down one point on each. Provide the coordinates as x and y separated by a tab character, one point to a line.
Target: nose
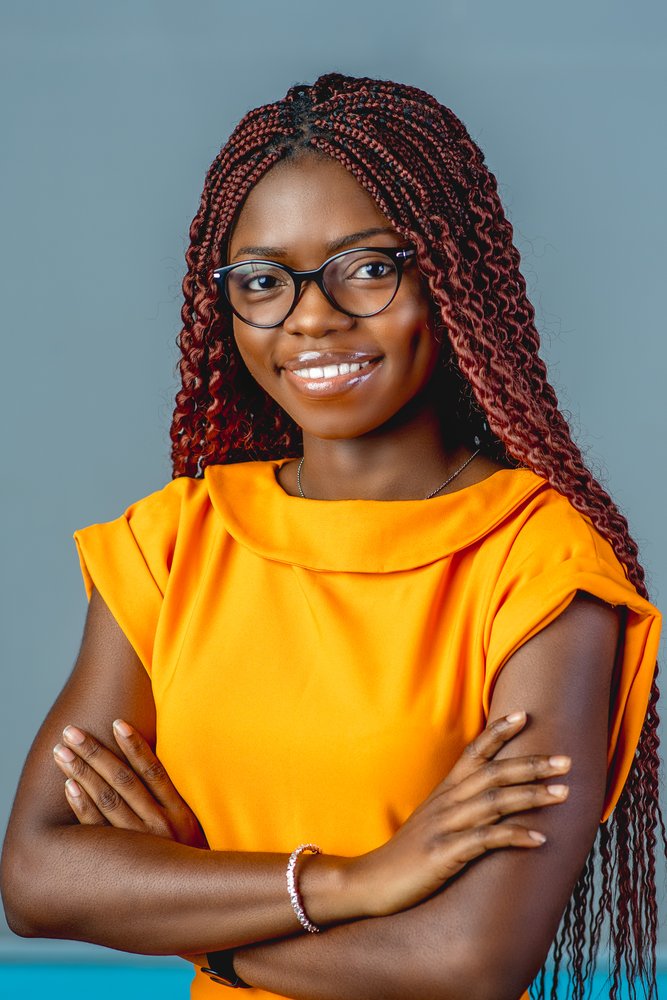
314	316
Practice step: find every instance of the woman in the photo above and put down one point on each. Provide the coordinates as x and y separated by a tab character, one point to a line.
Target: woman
379	536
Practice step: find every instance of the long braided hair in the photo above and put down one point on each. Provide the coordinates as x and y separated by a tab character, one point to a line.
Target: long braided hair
428	177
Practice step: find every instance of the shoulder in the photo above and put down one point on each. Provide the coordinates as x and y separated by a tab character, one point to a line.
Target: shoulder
179	515
176	498
547	528
148	533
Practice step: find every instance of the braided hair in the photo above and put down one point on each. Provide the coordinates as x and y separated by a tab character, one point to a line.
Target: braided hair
429	178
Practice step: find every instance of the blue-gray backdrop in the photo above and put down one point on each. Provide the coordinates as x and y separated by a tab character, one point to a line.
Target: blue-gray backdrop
110	115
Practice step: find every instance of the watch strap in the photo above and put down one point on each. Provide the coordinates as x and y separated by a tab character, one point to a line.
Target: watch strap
221	970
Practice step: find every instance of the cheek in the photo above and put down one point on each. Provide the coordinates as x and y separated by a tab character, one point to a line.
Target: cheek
411	336
255	350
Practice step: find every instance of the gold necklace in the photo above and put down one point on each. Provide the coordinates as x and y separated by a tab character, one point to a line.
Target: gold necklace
432	494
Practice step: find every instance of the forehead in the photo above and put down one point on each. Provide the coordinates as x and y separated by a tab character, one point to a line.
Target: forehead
303	204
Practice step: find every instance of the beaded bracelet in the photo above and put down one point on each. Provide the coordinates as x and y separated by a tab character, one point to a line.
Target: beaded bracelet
292	889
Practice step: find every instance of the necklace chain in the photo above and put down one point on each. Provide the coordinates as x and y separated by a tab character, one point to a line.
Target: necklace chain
431	494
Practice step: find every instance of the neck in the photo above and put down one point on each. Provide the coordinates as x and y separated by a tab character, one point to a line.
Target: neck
404	462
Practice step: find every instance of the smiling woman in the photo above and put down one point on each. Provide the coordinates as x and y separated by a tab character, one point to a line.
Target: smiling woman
378	664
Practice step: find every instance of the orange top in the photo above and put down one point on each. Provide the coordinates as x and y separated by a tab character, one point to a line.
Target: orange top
318	666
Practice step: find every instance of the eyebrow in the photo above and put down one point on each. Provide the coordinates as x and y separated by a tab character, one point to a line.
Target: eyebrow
331	247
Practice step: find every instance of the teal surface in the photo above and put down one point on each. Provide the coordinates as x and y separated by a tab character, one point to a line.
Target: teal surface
101	982
52	982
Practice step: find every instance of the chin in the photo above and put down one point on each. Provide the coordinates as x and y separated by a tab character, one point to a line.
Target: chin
337	427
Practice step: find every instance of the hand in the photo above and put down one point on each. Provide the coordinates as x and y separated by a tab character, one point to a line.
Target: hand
132	792
458	821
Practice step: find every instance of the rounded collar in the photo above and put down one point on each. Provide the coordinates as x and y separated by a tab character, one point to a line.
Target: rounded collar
359	536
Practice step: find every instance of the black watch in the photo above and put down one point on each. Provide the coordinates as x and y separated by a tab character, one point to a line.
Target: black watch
221	969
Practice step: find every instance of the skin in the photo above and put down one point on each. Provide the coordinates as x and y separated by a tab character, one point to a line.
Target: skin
385	913
384	440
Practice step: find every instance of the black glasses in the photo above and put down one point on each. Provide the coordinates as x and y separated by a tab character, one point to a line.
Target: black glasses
360	282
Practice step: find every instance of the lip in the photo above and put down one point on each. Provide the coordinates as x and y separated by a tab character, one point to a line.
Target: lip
318	359
339	384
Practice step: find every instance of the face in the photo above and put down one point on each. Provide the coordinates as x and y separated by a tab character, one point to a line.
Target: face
300	214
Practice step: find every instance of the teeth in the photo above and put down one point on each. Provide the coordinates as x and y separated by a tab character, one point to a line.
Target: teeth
331	371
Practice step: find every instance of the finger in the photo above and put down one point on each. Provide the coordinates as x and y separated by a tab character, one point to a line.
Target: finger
82	805
458	851
150	769
508	771
485	746
106	799
183	824
117	776
494	803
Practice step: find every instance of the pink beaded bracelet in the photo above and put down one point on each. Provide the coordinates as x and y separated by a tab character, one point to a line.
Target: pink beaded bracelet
292	889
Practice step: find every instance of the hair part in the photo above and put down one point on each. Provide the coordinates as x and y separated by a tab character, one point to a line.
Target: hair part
426	174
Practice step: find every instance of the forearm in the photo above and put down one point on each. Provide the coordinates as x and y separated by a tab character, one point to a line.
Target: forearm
417	954
142	893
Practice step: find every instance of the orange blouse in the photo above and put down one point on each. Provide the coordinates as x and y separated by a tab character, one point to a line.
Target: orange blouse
318	666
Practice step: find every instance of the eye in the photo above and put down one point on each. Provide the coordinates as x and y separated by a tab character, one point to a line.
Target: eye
257	279
260	283
372	269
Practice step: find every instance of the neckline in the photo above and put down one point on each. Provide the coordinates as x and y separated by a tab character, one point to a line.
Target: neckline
363	536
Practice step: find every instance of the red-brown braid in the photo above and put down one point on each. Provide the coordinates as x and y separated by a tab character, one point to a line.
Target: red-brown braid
428	177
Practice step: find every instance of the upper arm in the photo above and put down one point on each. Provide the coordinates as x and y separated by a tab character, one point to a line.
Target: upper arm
509	903
108	681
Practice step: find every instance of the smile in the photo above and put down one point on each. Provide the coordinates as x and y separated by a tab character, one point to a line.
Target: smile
320	381
330	371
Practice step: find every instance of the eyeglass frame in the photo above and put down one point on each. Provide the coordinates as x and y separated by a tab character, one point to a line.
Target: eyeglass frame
400	256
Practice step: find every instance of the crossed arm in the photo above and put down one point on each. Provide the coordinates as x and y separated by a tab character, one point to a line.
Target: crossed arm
485	935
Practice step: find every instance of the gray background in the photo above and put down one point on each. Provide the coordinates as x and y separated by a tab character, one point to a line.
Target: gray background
111	114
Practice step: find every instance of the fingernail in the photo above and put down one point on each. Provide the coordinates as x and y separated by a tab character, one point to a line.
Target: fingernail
560	761
536	835
560	791
63	753
73	735
515	716
122	728
72	788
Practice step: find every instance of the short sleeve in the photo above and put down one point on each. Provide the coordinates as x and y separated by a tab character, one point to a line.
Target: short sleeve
128	561
556	553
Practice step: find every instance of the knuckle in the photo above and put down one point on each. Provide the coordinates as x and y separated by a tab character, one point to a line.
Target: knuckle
471	751
134	743
91	749
491	796
109	799
78	767
435	840
154	771
493	768
123	776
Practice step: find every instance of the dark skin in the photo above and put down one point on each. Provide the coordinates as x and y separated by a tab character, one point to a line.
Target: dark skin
385	442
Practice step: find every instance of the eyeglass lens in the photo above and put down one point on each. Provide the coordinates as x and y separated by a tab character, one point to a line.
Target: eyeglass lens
361	283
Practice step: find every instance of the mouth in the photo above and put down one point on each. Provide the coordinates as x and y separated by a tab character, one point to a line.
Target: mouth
331	371
330	377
